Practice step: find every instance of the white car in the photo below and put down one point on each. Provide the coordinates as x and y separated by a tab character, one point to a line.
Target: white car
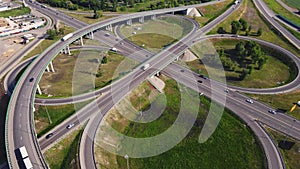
272	111
70	126
249	101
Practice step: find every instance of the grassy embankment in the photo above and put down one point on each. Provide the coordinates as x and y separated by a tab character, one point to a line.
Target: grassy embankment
293	3
65	153
291	156
210	12
231	143
278	9
57	114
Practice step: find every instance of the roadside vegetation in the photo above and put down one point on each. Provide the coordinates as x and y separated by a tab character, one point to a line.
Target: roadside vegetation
48	117
293	3
281	102
64	154
278	9
210	12
248	12
231	143
89	18
15	12
119	5
289	148
246	63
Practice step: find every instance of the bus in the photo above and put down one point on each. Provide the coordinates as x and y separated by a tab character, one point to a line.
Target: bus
25	158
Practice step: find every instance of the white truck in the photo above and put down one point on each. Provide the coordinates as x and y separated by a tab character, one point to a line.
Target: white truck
23	152
146	66
67	37
28	163
25	158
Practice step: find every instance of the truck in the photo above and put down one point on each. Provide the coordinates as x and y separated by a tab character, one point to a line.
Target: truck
23	152
25	157
146	66
68	36
28	163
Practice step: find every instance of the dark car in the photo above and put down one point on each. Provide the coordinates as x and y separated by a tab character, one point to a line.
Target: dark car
49	135
199	81
31	79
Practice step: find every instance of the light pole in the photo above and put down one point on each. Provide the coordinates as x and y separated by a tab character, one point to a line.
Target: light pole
127	160
50	121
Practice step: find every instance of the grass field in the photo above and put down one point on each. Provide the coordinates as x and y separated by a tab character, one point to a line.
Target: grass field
231	146
77	74
57	115
283	102
278	9
273	71
15	12
87	18
248	12
293	3
154	35
292	156
212	11
65	153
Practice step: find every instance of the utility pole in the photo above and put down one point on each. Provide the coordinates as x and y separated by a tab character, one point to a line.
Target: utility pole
127	160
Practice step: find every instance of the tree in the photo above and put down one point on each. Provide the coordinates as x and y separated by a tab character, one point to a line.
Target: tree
235	27
104	60
259	32
96	15
240	48
61	31
249	28
51	34
244	24
221	30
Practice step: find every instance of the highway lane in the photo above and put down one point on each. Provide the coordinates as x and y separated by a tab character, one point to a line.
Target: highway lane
268	14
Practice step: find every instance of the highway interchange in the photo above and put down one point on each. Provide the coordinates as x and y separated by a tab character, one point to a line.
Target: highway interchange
234	101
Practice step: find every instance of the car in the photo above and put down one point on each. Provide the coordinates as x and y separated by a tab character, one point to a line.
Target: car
226	90
249	101
199	81
272	111
181	70
201	76
107	34
70	126
31	79
49	135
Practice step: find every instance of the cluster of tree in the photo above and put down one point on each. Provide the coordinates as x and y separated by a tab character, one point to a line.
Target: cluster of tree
248	55
114	5
61	4
53	33
240	25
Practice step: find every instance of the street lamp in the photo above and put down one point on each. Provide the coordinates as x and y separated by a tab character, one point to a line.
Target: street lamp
127	159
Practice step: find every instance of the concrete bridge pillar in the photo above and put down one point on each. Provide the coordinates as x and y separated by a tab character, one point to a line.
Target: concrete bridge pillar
177	58
92	35
81	41
129	22
52	67
47	68
68	50
141	19
157	73
153	17
39	90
